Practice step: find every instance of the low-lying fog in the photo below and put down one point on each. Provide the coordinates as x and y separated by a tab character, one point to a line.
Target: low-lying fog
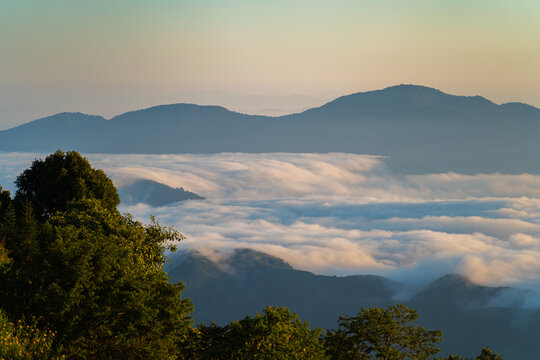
341	213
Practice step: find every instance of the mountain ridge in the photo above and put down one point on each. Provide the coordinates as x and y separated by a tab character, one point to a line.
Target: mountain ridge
369	92
420	130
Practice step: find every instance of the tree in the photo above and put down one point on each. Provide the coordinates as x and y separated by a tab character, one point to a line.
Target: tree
382	334
486	354
205	343
52	183
274	334
7	227
89	273
5	200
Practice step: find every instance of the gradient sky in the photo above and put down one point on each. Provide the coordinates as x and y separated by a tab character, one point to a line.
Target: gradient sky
110	56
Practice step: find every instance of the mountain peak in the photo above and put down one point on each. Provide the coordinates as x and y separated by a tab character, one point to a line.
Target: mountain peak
458	290
452	281
407	101
249	258
411	87
173	110
60	120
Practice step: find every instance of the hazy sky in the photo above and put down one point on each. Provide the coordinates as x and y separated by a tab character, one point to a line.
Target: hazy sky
109	56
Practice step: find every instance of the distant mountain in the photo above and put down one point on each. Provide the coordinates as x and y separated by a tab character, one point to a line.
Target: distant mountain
153	193
248	280
421	130
470	315
457	290
65	130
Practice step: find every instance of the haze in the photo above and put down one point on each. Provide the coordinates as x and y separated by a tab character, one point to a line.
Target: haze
107	57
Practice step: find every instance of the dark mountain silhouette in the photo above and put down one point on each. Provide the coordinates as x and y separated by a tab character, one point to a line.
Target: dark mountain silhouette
421	130
458	290
65	130
153	193
248	280
470	315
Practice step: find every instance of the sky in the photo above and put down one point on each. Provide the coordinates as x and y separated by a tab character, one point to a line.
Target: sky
270	57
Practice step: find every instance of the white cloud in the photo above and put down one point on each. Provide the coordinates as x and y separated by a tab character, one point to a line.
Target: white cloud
342	213
499	227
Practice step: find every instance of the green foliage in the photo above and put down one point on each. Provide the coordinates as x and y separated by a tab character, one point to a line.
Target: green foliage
486	354
275	334
7	228
52	183
5	200
20	341
97	278
5	261
383	334
88	272
205	343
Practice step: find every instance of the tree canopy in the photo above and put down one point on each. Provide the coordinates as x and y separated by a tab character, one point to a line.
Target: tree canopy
275	334
382	334
81	268
486	354
50	184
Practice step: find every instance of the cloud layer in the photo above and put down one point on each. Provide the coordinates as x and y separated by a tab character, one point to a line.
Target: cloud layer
342	213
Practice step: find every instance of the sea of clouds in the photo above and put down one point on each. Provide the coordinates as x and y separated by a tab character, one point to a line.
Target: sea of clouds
341	213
